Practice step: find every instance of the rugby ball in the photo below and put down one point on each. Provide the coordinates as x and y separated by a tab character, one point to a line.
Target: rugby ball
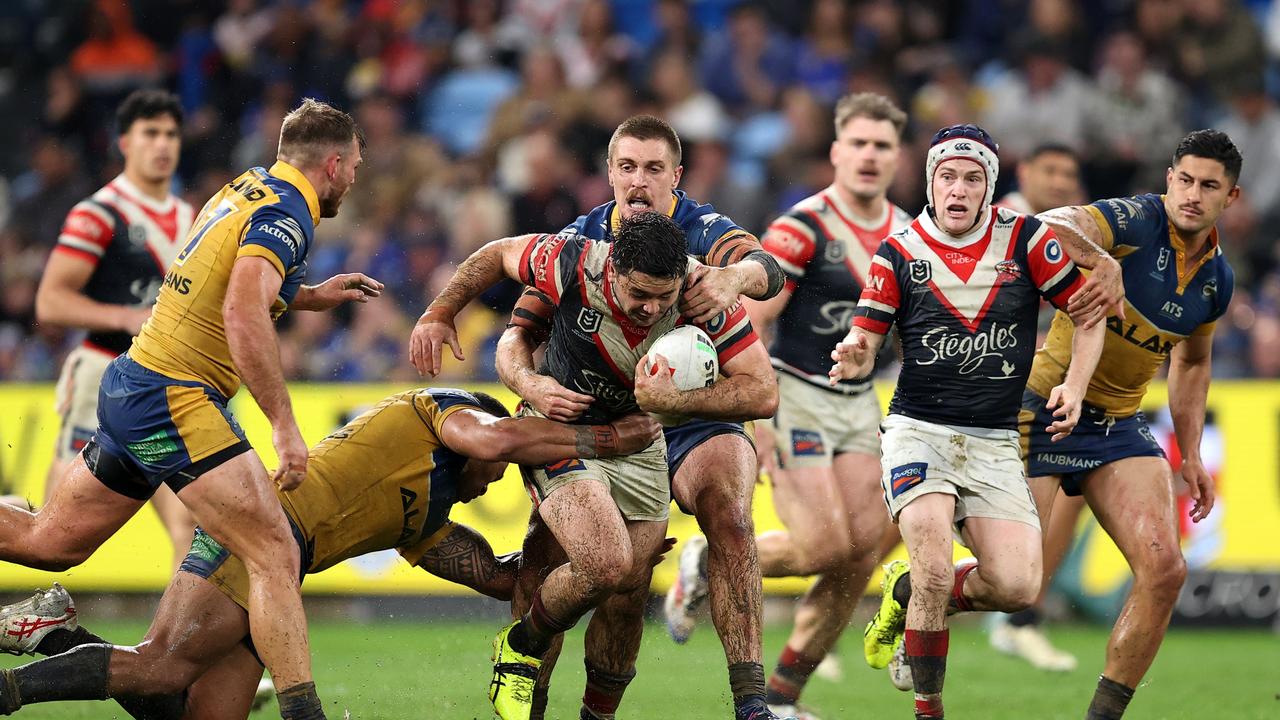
692	358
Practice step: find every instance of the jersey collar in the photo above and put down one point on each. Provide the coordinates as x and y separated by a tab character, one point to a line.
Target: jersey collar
615	214
294	177
1185	272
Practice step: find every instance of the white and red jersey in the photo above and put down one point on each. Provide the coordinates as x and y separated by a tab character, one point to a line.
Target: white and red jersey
825	250
966	313
130	239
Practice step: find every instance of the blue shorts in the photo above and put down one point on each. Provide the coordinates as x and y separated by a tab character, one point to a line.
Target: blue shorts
153	429
1098	439
683	438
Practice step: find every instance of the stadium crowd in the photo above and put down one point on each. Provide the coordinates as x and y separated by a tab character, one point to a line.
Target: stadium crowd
489	117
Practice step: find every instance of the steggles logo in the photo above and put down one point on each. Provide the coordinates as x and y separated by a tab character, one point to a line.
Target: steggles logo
966	350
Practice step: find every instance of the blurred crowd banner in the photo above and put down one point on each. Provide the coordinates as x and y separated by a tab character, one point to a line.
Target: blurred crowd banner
1234	555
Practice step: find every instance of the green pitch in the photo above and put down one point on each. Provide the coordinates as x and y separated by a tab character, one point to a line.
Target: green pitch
396	671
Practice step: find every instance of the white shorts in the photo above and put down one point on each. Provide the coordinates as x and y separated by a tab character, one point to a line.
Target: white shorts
813	425
985	475
77	399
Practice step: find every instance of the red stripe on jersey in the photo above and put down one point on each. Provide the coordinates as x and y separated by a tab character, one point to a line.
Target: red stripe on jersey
733	350
77	253
167	222
875	326
857	275
1060	300
626	380
790	286
795	248
1042	267
87	226
171	233
545	264
882	285
962	260
937	292
525	270
870	239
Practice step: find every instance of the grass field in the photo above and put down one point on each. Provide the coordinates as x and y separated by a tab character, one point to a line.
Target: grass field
401	670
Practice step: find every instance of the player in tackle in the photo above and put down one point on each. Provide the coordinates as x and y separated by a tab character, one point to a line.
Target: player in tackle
963	284
1178	285
611	301
162	406
387	479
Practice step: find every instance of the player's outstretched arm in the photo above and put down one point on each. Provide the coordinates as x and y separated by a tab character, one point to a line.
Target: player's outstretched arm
251	337
484	269
1065	400
1190	367
854	357
713	289
748	390
538	441
1080	235
530	326
347	287
465	557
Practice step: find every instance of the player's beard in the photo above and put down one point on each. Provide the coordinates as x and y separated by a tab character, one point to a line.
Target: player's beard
329	203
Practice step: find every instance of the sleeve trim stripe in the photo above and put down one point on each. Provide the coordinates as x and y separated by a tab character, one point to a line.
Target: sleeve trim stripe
878	306
876	326
1104	227
77	252
737	344
793	270
88	247
882	262
252	250
524	261
1066	270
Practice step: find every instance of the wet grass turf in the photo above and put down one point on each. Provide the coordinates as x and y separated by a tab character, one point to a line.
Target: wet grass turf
401	670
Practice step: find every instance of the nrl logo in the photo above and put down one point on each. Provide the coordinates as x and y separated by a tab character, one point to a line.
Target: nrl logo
835	250
920	270
1162	262
588	320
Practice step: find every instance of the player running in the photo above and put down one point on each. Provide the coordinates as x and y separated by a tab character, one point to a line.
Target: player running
387	479
712	462
1179	284
162	407
963	284
611	301
104	273
826	482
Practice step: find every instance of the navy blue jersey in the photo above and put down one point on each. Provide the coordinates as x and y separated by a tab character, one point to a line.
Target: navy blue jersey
130	240
593	347
825	250
1167	299
966	313
713	238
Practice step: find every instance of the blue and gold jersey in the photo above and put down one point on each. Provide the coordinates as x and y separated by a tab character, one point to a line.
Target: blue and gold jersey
1167	300
263	213
384	480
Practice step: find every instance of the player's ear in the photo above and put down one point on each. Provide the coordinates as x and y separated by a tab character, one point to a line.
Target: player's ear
1232	194
679	174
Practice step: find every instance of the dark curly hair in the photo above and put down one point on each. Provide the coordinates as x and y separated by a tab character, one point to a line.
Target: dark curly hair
147	104
1212	145
651	243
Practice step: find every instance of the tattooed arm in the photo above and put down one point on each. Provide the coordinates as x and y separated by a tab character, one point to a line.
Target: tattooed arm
464	556
484	269
538	441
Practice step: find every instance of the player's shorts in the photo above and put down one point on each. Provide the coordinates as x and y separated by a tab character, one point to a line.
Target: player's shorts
638	483
985	475
683	438
77	399
1098	439
153	429
814	425
208	559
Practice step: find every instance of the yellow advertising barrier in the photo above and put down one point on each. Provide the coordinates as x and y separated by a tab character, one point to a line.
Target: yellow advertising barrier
1243	533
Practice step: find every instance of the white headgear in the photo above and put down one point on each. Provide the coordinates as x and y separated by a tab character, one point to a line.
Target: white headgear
963	141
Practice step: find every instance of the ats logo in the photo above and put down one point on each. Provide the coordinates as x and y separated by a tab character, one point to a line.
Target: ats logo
556	469
806	442
905	477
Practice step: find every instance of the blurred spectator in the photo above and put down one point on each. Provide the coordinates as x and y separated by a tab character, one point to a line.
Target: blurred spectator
542	97
484	40
1159	23
240	30
1048	177
948	97
115	58
596	49
1059	22
1253	124
44	195
545	203
823	55
746	65
708	178
1222	49
1043	99
695	113
675	33
1134	121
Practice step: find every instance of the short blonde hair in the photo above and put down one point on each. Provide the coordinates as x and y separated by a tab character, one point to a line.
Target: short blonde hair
872	106
313	128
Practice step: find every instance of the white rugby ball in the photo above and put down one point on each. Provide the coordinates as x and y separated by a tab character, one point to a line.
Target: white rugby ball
692	359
